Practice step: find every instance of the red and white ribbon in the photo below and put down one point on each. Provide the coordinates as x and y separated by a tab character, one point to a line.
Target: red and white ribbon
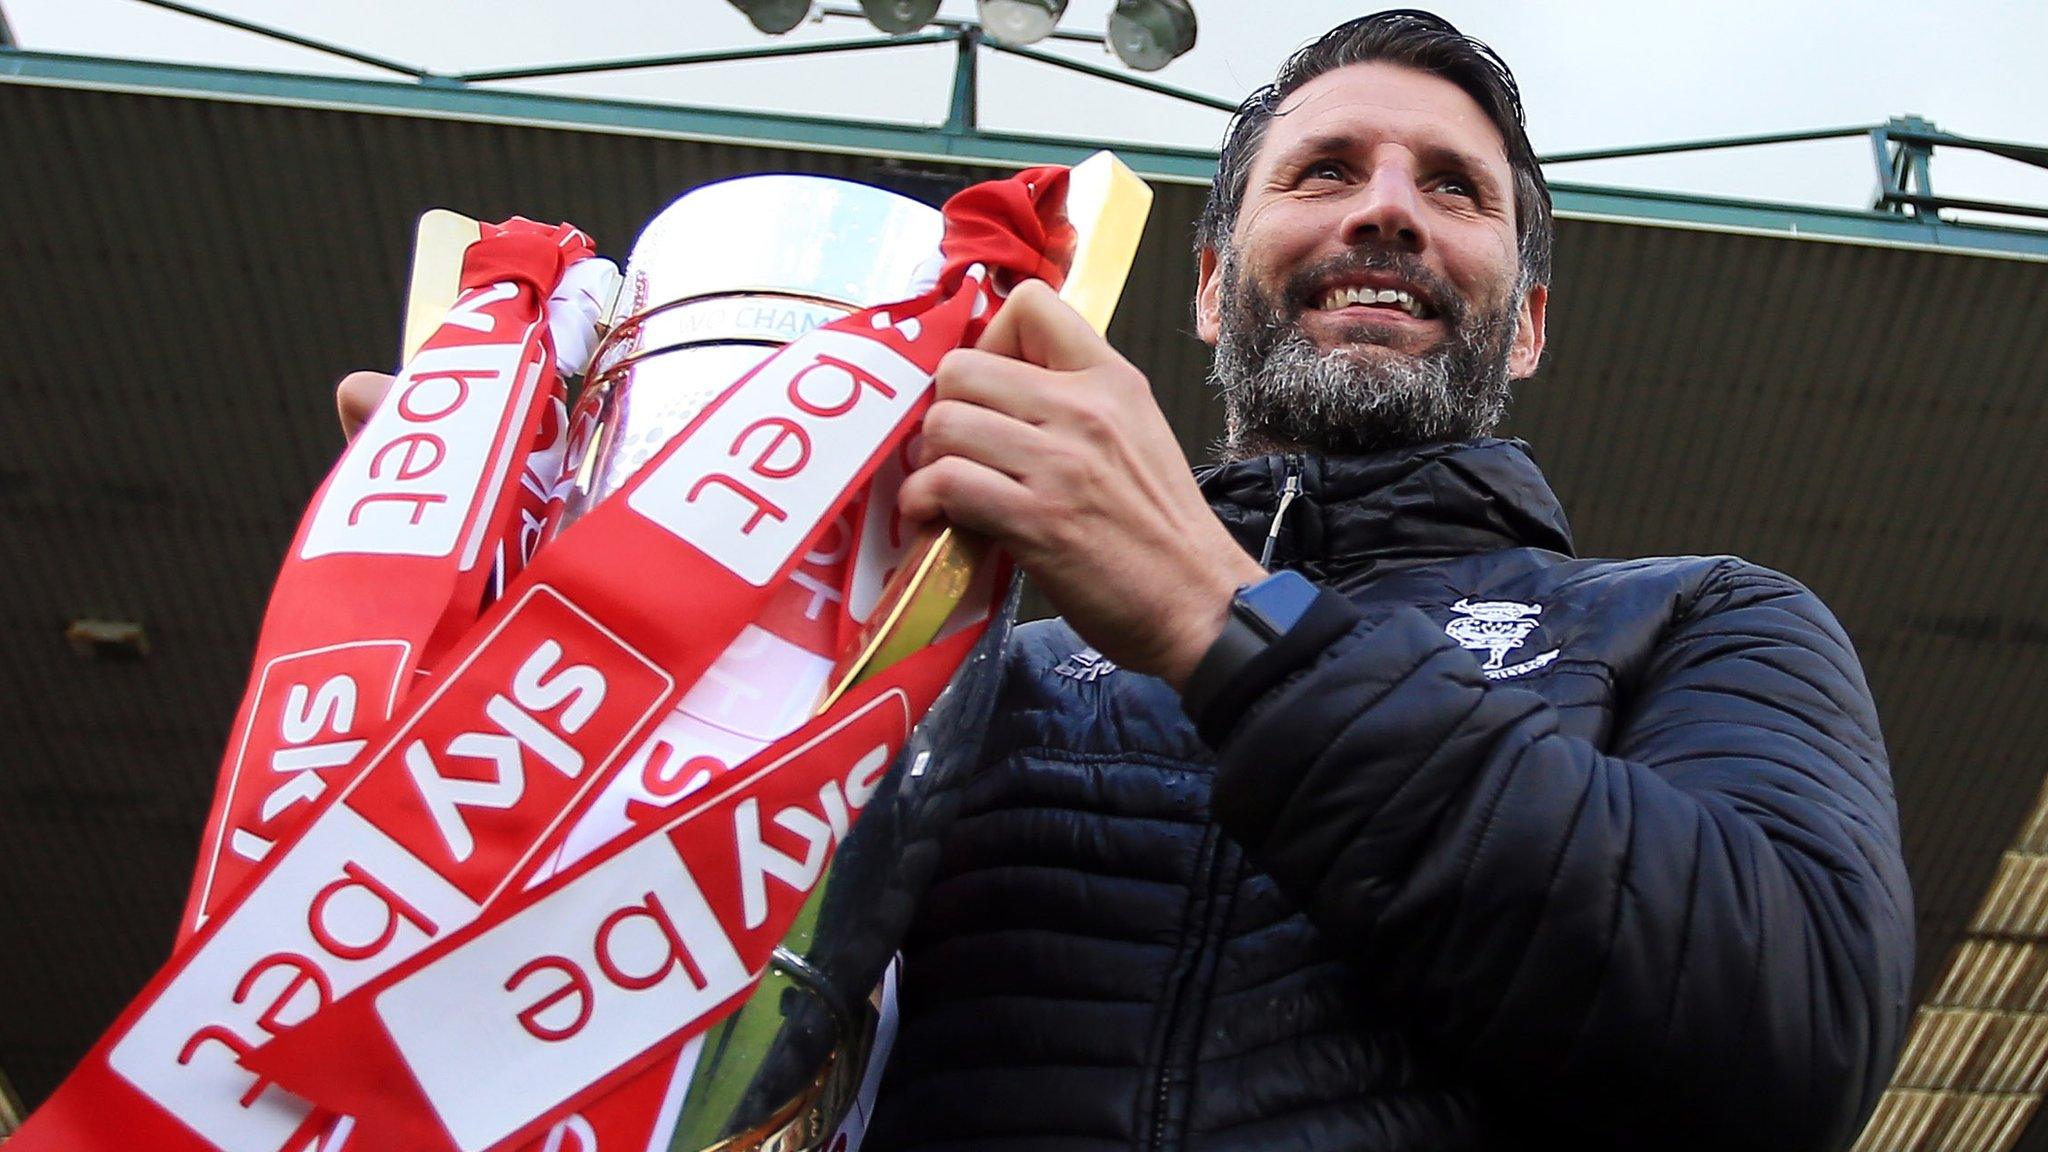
392	557
424	837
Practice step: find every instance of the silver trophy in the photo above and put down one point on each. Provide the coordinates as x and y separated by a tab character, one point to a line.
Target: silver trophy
720	279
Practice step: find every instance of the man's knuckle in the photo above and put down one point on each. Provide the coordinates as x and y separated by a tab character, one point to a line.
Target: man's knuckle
1095	417
955	372
941	424
940	476
1033	294
1122	380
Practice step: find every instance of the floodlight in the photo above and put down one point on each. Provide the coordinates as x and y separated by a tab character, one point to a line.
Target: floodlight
1019	22
1149	34
774	16
897	17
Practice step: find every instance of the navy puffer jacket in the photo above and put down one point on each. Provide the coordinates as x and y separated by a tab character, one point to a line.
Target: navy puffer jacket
1543	852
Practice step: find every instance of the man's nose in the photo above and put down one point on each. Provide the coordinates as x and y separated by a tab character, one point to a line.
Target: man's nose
1387	209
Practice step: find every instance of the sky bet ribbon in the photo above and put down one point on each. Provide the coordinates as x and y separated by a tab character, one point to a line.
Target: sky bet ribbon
533	709
573	989
391	559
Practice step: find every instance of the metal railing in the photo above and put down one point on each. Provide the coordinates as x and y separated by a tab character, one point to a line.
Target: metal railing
1902	147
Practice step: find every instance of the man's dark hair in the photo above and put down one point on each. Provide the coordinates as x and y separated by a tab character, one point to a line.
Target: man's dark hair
1412	39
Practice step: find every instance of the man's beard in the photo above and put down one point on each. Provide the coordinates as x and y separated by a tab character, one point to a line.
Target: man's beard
1280	392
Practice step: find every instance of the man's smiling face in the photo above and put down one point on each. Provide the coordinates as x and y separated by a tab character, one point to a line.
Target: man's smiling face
1369	296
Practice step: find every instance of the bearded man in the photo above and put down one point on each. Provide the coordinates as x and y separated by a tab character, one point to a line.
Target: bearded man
1347	809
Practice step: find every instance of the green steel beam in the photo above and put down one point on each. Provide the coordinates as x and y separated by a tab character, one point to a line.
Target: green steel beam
935	145
728	56
455	102
963	112
1115	77
268	32
1908	131
1916	159
1796	221
1933	203
1634	150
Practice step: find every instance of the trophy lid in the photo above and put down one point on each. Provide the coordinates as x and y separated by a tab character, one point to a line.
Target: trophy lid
813	236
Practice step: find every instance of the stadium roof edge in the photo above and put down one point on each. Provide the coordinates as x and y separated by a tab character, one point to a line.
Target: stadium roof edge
447	99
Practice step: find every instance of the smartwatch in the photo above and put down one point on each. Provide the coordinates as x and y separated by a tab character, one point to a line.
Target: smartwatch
1274	625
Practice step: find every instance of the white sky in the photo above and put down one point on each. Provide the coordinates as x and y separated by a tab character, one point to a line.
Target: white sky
1594	73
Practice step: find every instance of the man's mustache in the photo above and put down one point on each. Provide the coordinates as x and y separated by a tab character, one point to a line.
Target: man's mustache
1304	284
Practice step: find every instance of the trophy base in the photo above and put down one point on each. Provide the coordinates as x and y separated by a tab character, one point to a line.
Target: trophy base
808	1121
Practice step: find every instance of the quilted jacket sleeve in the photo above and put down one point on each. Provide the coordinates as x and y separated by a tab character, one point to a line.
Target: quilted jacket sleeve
1701	933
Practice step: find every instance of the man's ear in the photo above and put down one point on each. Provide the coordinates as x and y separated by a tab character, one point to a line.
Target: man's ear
1208	316
1527	350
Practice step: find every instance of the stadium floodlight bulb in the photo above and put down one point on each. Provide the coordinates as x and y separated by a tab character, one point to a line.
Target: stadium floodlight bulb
774	16
1019	22
1149	34
899	17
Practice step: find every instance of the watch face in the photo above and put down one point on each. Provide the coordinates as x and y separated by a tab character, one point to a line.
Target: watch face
1277	603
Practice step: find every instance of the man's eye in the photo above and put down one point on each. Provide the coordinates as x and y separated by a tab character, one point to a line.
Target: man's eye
1323	170
1452	186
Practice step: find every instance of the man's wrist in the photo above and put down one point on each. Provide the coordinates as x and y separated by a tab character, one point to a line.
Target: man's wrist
1204	619
1273	628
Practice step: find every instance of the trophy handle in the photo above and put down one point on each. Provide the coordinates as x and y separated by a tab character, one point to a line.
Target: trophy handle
1107	203
438	244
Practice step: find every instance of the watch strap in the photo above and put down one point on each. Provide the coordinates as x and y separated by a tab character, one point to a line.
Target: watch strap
1241	665
1236	646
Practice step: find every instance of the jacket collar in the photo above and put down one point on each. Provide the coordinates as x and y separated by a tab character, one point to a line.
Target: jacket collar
1411	504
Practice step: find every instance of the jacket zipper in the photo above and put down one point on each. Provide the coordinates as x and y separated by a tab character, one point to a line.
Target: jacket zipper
1209	866
1290	488
1210	862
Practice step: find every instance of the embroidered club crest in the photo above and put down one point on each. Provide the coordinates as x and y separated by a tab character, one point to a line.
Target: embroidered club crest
1498	627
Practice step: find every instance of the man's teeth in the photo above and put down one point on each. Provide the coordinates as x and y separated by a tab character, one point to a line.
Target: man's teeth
1344	297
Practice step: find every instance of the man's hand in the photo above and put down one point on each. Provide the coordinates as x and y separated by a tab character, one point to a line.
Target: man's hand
356	399
1047	440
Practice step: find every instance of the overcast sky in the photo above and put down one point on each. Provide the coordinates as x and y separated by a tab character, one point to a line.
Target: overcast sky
1594	73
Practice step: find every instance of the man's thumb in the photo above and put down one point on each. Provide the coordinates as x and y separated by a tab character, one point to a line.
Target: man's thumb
356	398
